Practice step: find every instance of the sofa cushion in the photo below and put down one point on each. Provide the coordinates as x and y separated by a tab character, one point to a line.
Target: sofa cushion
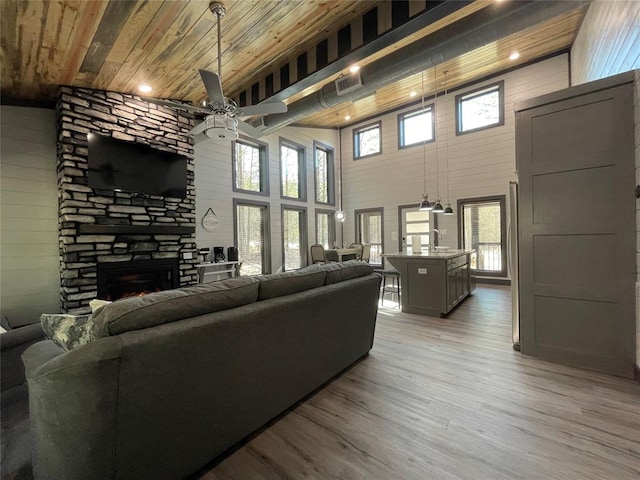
286	283
341	271
136	313
68	331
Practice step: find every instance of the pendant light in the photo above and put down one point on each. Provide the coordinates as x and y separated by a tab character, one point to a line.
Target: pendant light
437	205
425	204
448	210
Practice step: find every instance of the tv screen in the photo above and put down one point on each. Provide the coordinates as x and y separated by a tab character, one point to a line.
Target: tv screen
133	167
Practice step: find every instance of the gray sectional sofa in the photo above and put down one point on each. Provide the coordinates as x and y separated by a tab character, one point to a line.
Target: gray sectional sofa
173	379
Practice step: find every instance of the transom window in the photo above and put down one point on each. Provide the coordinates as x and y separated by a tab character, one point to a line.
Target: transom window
480	109
324	173
416	127
292	171
250	167
367	141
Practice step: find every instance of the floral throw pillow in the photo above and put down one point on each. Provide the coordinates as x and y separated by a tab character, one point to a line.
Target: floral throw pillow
68	331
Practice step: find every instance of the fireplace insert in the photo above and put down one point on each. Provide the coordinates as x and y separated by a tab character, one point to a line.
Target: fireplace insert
137	277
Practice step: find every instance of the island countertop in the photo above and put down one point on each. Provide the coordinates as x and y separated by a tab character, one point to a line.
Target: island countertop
430	254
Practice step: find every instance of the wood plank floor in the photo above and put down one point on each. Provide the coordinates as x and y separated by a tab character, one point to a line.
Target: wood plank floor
450	399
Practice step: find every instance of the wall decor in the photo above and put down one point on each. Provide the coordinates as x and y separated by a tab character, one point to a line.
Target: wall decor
210	221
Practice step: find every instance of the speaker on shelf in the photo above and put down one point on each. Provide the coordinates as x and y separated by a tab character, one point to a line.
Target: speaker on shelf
218	254
232	254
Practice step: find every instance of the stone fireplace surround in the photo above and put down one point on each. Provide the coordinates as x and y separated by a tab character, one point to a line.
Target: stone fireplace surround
97	226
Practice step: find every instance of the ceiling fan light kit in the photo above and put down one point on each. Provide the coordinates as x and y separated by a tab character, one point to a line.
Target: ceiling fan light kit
221	126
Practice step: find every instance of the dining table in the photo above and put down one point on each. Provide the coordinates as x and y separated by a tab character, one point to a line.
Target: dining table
342	254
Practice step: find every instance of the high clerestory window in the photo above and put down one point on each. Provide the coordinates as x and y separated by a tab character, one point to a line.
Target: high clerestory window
479	109
324	173
250	167
367	141
416	127
292	171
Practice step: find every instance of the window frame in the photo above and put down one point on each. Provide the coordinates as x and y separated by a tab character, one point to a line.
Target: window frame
331	173
304	243
302	170
476	92
332	226
358	131
263	149
401	118
266	252
502	200
358	233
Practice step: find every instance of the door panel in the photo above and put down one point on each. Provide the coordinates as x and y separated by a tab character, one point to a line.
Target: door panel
575	159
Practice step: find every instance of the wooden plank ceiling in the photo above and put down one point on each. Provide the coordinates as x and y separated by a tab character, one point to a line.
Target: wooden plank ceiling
119	45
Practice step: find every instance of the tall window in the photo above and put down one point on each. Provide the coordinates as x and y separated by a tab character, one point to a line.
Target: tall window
250	167
369	230
482	227
294	238
324	173
367	141
480	109
325	228
252	236
292	171
416	127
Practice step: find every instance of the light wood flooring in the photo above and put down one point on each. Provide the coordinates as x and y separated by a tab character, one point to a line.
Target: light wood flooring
450	399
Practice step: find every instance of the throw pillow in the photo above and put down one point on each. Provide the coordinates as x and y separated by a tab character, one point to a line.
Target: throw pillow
68	331
96	304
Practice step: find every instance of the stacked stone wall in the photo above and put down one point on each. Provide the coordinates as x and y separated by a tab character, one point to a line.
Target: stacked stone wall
110	226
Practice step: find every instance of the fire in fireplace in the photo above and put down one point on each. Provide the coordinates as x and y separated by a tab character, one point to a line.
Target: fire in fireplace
138	277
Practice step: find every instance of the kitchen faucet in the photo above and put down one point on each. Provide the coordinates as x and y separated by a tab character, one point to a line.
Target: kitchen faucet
435	230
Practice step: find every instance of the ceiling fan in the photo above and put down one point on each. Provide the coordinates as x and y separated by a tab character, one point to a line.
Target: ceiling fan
220	113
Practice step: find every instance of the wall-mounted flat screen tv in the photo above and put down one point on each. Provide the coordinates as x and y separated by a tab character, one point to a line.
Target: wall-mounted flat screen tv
134	167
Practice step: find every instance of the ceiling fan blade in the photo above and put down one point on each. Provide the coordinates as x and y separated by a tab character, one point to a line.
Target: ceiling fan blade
250	130
214	87
201	127
176	105
264	108
199	138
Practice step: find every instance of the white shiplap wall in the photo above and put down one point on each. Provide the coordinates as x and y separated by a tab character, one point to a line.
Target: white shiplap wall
29	271
214	187
480	163
608	41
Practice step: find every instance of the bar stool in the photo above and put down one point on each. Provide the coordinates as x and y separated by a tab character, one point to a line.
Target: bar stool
394	288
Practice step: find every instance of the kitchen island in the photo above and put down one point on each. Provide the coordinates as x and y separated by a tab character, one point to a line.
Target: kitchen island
433	282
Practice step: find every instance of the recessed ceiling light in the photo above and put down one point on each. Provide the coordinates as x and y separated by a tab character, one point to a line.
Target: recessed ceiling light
514	56
145	88
354	68
347	117
413	93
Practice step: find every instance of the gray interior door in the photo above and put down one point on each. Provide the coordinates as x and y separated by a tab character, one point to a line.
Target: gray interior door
575	157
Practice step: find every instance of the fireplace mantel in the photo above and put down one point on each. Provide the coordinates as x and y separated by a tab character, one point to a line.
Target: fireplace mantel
135	229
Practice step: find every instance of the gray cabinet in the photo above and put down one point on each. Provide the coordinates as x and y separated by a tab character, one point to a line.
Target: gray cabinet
575	158
433	284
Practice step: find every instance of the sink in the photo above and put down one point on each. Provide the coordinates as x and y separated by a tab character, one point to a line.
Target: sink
441	248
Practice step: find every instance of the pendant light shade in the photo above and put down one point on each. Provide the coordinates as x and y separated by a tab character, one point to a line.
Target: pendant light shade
425	204
340	216
448	210
437	207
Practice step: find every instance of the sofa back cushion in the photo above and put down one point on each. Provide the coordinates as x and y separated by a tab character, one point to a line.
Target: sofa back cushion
156	308
341	271
286	283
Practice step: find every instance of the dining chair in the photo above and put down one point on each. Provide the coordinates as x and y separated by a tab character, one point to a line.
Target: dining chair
317	253
366	253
